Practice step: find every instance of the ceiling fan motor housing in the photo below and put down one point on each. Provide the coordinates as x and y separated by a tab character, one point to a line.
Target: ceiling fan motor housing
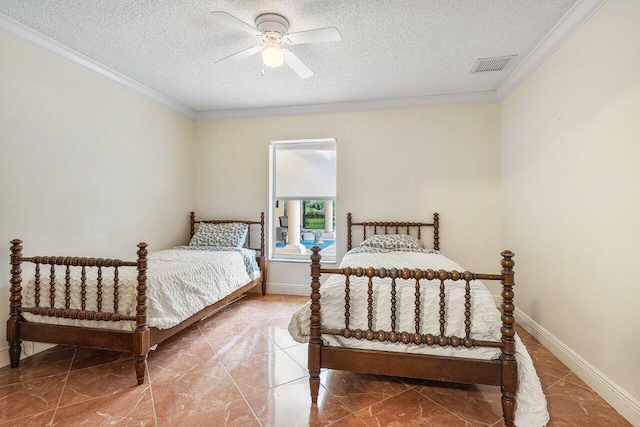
270	23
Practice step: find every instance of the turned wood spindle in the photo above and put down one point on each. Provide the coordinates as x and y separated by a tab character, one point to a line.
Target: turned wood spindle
393	304
37	285
192	224
467	309
442	295
347	300
349	222
262	233
436	232
83	288
417	304
116	291
52	286
99	290
67	287
370	303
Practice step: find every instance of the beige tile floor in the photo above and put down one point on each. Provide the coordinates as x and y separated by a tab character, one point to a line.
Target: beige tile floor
241	368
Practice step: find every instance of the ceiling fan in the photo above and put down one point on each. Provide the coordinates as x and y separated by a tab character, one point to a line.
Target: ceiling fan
273	31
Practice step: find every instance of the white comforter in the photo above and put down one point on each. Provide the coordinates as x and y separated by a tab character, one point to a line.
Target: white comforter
531	404
179	284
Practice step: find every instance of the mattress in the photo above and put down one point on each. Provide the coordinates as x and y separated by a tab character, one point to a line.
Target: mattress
531	404
179	284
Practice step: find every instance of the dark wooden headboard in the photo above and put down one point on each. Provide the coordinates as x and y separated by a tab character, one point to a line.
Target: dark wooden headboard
193	222
393	227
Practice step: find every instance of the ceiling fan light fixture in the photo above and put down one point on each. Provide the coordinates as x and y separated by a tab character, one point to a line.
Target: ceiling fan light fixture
272	55
274	30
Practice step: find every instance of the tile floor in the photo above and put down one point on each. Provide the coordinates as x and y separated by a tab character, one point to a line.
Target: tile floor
241	368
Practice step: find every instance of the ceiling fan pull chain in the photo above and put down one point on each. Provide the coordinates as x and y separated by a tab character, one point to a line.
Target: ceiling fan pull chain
262	71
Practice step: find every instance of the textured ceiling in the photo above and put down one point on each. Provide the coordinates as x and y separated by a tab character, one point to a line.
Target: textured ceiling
389	49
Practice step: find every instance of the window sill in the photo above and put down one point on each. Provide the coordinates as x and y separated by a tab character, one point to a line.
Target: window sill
303	261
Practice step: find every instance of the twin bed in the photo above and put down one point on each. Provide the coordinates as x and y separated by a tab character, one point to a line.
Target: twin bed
115	305
397	308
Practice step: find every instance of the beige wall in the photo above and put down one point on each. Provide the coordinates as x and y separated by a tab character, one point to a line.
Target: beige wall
401	164
86	168
571	193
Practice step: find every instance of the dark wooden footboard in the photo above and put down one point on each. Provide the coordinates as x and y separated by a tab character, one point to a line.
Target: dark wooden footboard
18	329
502	372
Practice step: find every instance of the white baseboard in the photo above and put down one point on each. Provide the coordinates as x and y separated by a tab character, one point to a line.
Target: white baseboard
4	357
620	399
288	289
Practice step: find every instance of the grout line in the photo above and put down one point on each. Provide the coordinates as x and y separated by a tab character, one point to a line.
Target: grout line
443	407
383	400
556	382
153	401
351	412
18	381
102	364
230	376
64	386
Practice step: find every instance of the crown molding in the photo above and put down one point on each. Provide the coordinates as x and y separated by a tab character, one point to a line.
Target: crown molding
34	38
570	22
345	107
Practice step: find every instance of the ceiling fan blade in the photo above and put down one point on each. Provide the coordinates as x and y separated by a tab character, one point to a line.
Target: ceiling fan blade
320	35
242	54
232	20
296	64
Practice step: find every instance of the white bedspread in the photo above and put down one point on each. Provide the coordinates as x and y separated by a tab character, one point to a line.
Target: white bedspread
531	408
179	284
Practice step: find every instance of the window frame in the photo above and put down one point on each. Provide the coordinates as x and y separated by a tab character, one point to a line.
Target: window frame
273	217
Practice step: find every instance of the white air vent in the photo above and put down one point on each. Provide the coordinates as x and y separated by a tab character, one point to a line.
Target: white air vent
498	63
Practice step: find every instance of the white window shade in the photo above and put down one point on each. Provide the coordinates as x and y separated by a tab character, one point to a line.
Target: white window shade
305	171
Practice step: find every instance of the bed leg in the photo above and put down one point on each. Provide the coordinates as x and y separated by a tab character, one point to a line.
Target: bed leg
263	275
15	344
141	368
314	371
508	406
314	386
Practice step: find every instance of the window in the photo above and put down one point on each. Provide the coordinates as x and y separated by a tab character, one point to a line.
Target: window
302	177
